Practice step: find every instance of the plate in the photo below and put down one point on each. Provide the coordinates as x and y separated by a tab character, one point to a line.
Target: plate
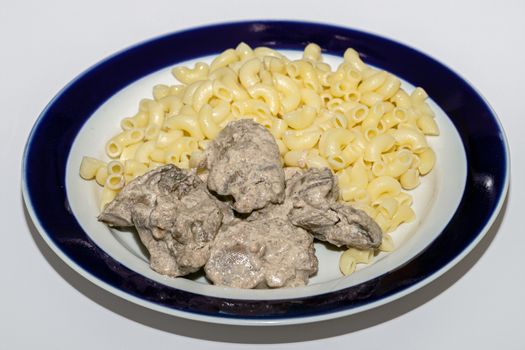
472	168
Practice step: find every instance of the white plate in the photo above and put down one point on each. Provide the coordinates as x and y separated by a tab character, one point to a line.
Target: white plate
116	261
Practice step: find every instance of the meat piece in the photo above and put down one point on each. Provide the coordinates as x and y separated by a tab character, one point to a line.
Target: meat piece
261	253
311	204
144	190
353	228
318	187
244	166
178	233
175	215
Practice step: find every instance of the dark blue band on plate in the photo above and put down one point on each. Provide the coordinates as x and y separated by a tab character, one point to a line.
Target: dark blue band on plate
52	137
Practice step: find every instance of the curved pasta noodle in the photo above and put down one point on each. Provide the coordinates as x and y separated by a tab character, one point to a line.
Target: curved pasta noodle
373	82
295	158
409	179
244	51
187	109
383	185
139	120
316	161
209	127
171	104
291	93
196	159
427	125
89	167
337	161
370	98
311	98
177	90
165	138
160	91
361	256
248	72
115	182
353	256
427	160
185	145
202	95
390	87
312	52
403	214
411	138
423	109
352	58
386	206
187	97
186	123
301	118
101	175
133	168
263	51
220	111
268	94
115	167
333	141
351	153
187	76
225	58
404	198
278	128
157	155
222	91
401	99
339	88
399	164
419	95
377	146
116	144
301	141
387	244
143	152
240	109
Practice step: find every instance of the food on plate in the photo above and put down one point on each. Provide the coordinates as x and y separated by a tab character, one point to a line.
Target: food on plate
356	120
185	227
267	252
175	216
244	164
311	203
313	196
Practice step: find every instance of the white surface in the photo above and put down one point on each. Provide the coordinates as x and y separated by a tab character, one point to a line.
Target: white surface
478	304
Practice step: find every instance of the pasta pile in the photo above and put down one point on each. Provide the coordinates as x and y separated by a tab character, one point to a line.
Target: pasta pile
355	120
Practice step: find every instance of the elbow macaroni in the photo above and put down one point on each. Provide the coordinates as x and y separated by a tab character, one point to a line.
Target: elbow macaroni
355	120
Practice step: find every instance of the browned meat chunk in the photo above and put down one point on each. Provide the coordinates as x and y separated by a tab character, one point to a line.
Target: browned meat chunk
311	204
261	253
244	165
144	190
175	215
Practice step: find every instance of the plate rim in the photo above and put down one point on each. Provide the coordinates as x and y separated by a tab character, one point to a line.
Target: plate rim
236	320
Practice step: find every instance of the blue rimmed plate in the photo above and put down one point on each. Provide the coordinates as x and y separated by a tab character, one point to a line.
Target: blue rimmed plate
472	168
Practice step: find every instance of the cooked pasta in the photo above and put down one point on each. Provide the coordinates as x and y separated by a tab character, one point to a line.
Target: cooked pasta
89	167
354	119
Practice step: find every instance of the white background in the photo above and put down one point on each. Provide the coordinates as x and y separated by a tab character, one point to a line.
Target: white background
479	304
